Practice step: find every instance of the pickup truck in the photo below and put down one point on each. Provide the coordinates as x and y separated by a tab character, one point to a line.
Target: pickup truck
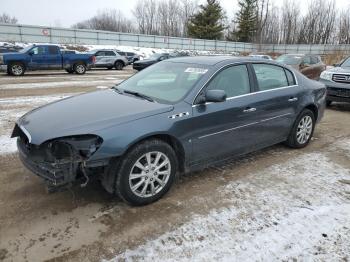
44	57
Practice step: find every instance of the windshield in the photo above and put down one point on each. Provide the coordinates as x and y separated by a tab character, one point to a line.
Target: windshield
165	82
26	49
289	60
346	63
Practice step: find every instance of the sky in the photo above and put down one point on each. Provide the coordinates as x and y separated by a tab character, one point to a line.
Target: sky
64	13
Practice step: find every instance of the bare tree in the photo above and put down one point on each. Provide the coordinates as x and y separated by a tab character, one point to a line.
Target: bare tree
344	27
108	20
7	19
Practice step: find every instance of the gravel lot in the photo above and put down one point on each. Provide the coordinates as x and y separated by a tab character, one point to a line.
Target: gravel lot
276	204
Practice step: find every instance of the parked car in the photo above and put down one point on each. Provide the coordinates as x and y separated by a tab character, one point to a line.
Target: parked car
108	58
337	80
132	57
44	57
177	116
153	59
309	65
261	56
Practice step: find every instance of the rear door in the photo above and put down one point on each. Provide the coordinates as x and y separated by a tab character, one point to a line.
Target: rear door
225	128
54	57
276	102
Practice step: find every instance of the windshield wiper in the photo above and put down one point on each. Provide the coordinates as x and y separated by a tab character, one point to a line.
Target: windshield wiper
139	95
115	88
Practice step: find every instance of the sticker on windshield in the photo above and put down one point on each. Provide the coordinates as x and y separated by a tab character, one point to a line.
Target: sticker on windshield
196	70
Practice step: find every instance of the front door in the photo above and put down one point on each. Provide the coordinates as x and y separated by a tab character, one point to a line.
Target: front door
38	58
221	129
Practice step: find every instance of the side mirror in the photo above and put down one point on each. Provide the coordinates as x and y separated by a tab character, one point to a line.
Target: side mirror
215	96
336	65
31	53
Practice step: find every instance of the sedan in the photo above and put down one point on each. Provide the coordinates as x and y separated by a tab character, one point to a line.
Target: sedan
153	59
177	116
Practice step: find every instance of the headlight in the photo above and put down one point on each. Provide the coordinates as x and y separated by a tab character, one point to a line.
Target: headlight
82	146
326	75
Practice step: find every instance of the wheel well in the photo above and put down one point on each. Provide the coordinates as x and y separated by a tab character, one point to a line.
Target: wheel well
16	62
314	109
174	143
79	62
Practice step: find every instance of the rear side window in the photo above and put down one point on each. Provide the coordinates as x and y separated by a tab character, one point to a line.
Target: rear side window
130	54
270	76
53	50
100	53
290	77
307	60
314	60
233	80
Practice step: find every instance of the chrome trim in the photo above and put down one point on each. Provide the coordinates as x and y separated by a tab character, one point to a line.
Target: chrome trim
249	94
238	127
246	63
26	133
227	130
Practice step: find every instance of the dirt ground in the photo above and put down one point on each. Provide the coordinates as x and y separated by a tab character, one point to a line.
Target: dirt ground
248	197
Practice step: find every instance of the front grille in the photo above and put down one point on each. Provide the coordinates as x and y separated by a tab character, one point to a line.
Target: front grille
339	78
338	92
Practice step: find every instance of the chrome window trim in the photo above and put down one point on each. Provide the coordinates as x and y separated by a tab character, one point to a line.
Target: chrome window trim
238	127
251	93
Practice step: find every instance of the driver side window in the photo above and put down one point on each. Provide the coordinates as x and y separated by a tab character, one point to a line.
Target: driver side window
39	50
233	80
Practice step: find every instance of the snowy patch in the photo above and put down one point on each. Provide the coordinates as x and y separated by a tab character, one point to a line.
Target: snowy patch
344	145
7	145
267	221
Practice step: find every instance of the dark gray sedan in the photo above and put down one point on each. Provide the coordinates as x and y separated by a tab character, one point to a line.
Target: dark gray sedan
176	116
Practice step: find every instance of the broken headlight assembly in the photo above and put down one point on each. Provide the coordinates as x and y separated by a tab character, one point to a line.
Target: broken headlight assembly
73	148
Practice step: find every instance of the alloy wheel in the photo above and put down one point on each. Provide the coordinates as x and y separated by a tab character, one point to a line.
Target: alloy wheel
150	174
304	129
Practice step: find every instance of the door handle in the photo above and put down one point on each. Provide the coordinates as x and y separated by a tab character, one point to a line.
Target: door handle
249	109
292	99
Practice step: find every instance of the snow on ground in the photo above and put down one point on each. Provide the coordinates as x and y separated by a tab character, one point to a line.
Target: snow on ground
144	52
10	112
110	82
274	222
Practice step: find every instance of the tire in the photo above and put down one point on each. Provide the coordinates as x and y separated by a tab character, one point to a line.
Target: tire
302	132
70	71
118	65
137	191
79	68
8	71
16	69
328	103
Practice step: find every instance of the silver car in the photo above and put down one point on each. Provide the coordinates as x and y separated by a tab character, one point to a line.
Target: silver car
108	58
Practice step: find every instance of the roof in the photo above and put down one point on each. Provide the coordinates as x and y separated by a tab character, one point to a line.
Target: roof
212	60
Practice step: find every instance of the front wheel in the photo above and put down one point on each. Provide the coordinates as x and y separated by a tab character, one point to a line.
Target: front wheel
80	69
302	130
16	69
146	172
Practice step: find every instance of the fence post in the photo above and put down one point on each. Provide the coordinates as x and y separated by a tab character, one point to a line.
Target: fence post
20	33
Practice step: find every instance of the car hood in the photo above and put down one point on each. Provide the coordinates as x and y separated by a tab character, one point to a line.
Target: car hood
86	114
344	70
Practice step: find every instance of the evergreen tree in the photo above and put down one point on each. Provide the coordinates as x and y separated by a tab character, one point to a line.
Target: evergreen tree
246	18
208	22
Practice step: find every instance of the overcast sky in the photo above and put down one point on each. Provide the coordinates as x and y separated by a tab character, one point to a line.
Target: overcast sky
67	12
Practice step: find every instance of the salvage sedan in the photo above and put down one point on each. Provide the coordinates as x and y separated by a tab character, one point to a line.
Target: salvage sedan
177	116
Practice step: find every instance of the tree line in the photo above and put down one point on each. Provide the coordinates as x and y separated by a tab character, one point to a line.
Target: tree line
257	21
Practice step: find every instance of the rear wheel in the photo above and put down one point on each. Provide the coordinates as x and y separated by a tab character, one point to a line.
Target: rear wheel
16	69
302	130
119	65
146	172
80	68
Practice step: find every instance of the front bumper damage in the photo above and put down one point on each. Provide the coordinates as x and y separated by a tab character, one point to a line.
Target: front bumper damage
58	172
